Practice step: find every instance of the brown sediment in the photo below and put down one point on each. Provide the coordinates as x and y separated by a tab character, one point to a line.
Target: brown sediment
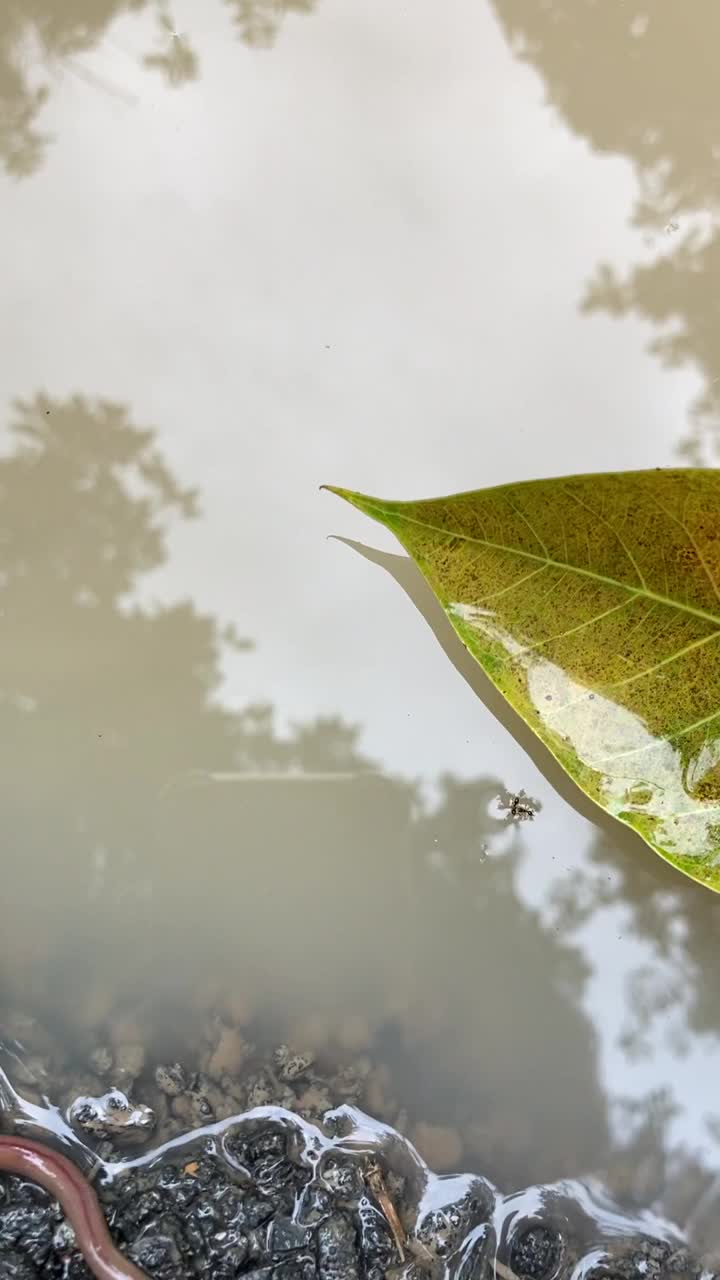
60	1177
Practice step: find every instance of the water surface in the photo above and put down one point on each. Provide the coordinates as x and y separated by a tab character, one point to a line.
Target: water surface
250	247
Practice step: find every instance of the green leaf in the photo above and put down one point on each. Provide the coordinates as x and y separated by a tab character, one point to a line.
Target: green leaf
593	603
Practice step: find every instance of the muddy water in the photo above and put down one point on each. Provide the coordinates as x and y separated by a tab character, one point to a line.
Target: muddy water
248	248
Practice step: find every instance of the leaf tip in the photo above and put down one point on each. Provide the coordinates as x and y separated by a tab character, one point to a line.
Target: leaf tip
356	499
369	506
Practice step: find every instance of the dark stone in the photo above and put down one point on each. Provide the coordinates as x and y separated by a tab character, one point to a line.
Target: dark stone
286	1235
338	1253
30	1226
16	1266
535	1252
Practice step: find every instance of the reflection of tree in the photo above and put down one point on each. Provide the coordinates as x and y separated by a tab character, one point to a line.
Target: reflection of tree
671	1001
516	1022
38	34
50	31
258	20
678	293
675	918
101	702
156	844
640	80
175	56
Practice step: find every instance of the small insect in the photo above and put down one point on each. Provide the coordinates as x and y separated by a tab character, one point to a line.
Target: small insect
520	809
376	1184
519	806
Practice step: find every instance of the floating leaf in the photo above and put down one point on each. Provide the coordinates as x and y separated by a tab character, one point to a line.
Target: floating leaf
593	604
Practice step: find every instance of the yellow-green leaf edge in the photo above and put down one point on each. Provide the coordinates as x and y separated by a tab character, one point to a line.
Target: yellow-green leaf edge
393	514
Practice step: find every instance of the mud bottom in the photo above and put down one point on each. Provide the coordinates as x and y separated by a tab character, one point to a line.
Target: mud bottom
265	1162
269	1195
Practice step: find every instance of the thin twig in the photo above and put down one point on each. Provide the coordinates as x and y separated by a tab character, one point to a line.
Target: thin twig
376	1184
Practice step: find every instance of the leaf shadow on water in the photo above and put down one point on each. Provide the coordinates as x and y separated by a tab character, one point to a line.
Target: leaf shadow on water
403	570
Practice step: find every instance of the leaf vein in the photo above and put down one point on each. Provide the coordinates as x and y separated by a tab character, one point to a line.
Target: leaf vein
688	648
697	725
570	631
533	531
598	516
557	564
691	539
494	595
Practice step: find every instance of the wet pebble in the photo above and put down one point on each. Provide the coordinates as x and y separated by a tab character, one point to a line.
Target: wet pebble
112	1116
338	1252
171	1079
291	1065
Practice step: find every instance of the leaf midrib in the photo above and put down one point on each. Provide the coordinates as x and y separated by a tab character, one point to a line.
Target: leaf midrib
557	564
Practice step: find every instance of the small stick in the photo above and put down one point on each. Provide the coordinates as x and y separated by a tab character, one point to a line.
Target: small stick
503	1272
376	1183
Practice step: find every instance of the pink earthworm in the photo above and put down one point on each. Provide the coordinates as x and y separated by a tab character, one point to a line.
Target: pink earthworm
64	1181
